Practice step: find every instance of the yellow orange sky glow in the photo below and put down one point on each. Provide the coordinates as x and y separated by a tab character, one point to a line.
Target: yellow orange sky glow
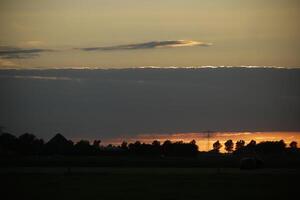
206	144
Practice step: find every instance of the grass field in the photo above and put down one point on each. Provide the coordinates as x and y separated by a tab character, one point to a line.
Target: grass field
148	183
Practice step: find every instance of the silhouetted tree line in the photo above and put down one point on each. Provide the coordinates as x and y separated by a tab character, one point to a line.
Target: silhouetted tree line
252	147
29	144
168	148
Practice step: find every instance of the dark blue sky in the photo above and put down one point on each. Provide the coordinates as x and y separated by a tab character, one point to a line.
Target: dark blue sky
117	102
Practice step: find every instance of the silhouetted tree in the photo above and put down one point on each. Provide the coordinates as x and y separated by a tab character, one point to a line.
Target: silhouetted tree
124	145
229	146
239	144
28	144
156	148
167	142
282	144
293	145
8	144
83	147
249	148
156	143
165	147
193	142
251	144
217	146
96	143
271	147
179	148
135	147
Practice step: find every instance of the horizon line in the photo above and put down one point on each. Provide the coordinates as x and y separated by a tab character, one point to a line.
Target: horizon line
156	67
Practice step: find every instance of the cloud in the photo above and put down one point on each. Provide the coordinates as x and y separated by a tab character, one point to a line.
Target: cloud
32	49
32	43
49	78
150	45
113	103
7	64
8	52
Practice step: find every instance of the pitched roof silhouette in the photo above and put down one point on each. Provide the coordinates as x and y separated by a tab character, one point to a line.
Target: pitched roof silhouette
59	144
59	140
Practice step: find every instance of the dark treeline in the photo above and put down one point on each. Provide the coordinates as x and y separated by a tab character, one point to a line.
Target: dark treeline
265	147
29	144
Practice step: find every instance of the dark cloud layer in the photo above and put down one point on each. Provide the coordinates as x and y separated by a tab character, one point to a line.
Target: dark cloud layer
149	45
111	103
8	52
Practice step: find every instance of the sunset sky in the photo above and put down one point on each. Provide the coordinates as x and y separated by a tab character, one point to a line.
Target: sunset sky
205	140
115	33
184	66
127	104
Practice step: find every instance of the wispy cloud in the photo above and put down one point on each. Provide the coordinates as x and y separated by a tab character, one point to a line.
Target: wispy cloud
150	45
7	64
31	44
8	52
50	78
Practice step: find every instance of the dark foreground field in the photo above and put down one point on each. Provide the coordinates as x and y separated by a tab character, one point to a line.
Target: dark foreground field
148	183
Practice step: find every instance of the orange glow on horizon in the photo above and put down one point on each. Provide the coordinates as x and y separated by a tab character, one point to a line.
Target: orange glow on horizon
205	141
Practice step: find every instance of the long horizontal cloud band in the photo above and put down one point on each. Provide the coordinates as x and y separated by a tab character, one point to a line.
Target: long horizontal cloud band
21	53
11	52
150	45
118	102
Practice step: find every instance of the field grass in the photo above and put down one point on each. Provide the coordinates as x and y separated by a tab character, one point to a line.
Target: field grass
149	183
